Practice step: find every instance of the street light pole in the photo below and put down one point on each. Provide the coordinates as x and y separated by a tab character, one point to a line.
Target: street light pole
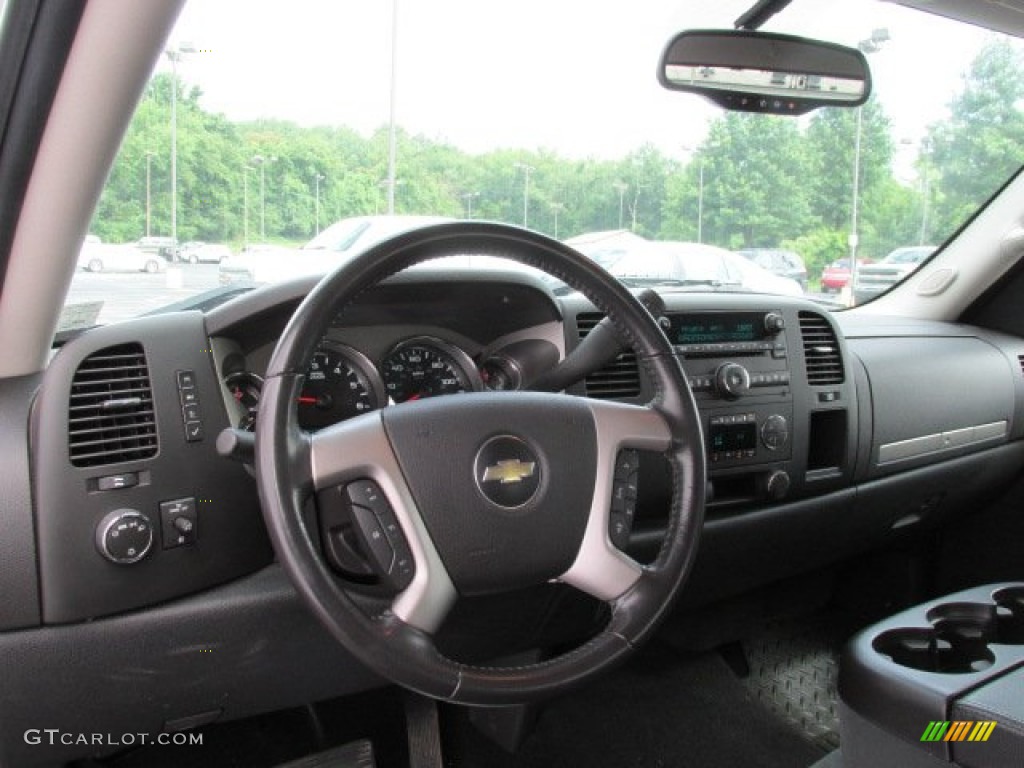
557	208
174	56
262	161
392	129
700	204
621	187
317	178
527	170
245	204
149	199
468	198
869	45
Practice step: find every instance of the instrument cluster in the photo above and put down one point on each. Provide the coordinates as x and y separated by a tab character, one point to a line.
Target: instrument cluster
342	382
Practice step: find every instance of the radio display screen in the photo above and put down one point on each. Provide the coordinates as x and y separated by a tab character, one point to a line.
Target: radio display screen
716	328
733	437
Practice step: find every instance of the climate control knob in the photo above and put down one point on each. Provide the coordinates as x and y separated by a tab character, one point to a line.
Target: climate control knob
775	432
124	536
777	484
774	323
732	380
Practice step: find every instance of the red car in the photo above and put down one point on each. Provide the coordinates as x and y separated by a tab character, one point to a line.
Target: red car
837	274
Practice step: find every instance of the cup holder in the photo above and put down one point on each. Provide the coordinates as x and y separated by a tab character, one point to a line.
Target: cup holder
948	651
1010	615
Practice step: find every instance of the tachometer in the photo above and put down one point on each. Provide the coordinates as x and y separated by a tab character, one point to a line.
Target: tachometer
340	383
424	367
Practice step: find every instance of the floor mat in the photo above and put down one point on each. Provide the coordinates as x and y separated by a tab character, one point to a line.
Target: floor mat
794	667
662	710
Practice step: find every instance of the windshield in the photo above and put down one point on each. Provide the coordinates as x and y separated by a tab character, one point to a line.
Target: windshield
270	135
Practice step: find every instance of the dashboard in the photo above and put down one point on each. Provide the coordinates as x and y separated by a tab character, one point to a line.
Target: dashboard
826	434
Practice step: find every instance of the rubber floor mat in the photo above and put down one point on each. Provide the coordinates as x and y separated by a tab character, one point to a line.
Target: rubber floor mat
793	672
662	710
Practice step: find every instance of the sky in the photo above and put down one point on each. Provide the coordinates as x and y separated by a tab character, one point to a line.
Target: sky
576	77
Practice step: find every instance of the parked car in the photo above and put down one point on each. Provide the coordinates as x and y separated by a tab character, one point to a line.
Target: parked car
96	256
206	253
264	263
779	262
607	246
186	249
666	263
163	246
874	279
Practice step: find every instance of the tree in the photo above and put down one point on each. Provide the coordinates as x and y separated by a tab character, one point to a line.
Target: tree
831	147
983	140
755	184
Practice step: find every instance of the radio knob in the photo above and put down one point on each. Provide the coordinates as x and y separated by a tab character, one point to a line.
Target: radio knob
774	323
775	432
777	485
732	380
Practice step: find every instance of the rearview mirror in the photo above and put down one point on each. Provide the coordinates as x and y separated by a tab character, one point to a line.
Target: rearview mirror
765	72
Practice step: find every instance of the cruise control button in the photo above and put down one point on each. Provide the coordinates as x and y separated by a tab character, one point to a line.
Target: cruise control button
366	493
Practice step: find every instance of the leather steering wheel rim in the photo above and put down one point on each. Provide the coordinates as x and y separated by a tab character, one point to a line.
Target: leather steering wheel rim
397	643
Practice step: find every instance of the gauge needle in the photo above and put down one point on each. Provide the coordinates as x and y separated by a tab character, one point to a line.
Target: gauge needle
308	400
417	396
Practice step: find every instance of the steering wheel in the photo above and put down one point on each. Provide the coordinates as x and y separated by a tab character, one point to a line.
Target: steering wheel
480	493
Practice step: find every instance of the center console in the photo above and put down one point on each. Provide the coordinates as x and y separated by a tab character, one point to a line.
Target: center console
739	367
940	683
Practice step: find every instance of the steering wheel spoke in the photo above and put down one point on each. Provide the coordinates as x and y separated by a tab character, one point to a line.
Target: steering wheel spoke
358	454
601	569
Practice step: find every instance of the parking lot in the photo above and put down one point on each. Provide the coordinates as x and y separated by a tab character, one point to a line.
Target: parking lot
125	295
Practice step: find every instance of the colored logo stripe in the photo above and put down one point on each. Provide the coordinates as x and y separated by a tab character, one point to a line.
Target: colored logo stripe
982	731
958	730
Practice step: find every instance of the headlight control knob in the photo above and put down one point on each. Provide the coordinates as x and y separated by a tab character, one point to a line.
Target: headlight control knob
732	380
124	536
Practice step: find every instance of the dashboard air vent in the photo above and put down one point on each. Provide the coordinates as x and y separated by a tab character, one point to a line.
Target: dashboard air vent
620	378
821	350
110	414
1020	359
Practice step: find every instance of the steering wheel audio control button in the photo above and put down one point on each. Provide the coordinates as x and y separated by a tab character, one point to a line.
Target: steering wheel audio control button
382	535
625	490
374	539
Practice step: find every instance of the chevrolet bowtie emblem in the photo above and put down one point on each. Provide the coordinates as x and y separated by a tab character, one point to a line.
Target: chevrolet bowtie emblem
509	471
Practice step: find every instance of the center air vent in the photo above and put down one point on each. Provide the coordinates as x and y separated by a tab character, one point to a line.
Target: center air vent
110	414
1020	360
821	350
620	378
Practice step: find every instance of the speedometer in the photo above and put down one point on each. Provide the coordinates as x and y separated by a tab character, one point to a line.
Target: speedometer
340	383
427	367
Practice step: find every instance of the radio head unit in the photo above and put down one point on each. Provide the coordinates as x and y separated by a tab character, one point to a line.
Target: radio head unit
718	334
